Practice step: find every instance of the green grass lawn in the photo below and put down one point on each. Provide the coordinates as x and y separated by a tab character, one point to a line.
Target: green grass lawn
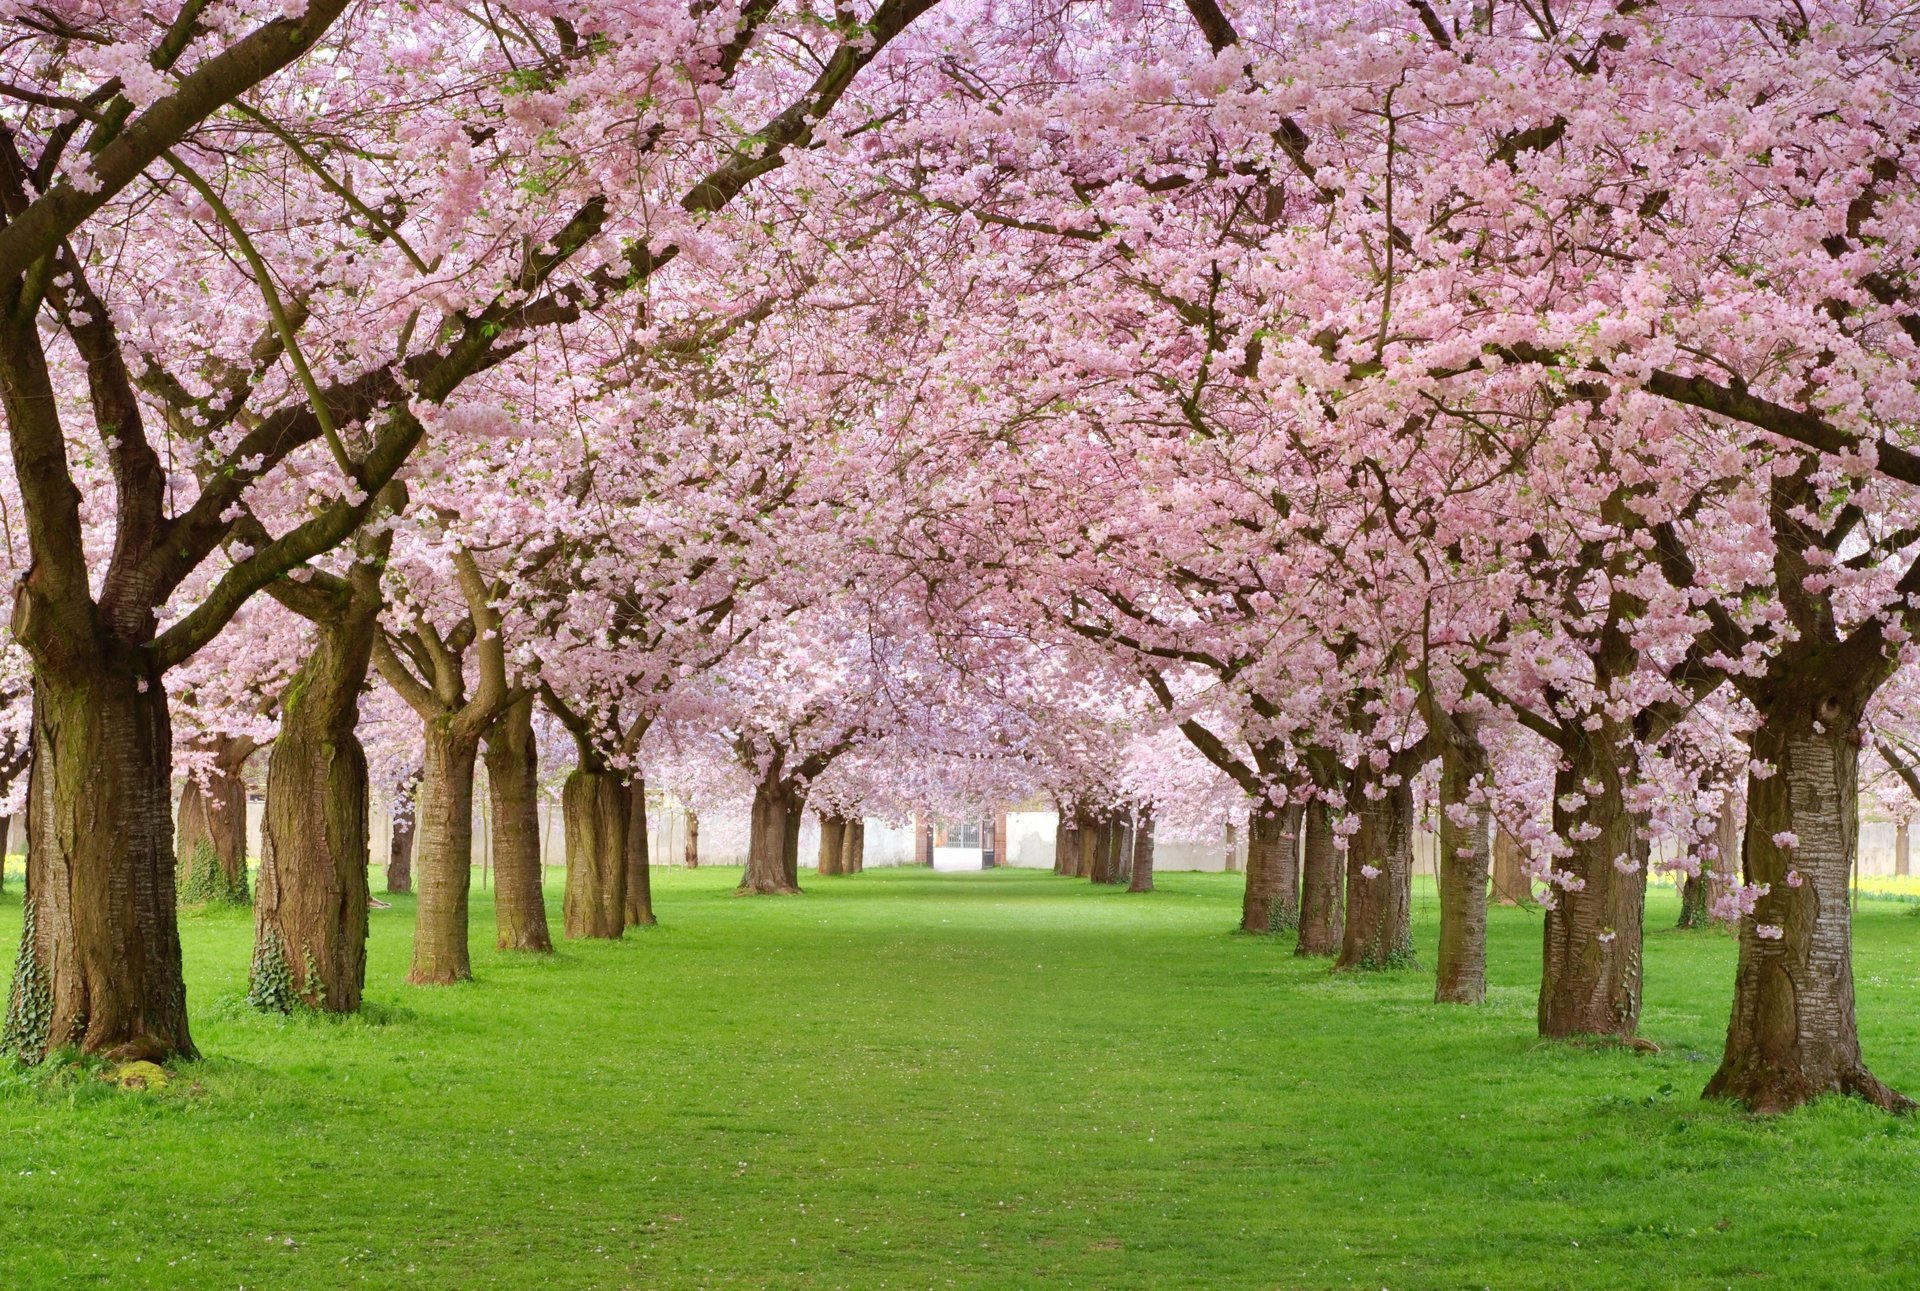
1002	1080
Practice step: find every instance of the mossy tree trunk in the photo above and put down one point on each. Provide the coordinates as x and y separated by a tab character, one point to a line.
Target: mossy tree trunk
1590	975
595	803
211	827
310	918
1271	902
1378	932
1320	882
1793	1034
99	967
513	791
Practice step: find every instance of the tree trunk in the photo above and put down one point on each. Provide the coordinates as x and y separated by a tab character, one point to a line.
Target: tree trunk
400	847
596	806
692	850
1121	871
1142	880
99	965
1725	875
1271	902
854	849
513	793
444	815
1792	1036
6	839
1510	883
767	836
1065	844
1233	850
1590	974
639	861
310	919
1379	926
211	837
1320	904
1462	872
1902	850
833	830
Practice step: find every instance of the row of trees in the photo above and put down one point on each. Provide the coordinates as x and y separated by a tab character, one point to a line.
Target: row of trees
1150	405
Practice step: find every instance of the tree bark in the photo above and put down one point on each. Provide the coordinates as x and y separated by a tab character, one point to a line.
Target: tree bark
1590	974
767	835
1793	1035
833	830
1902	850
1320	904
1065	844
1510	883
310	919
1462	872
639	908
400	846
1122	868
513	793
1142	880
99	966
444	812
211	837
854	848
1379	927
1271	902
692	850
596	805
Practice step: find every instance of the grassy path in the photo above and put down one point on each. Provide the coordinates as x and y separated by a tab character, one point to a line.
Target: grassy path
1008	1080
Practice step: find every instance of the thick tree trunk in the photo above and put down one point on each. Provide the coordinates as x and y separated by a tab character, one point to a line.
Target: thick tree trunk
513	793
1462	872
99	965
1379	929
1142	880
691	853
833	832
1065	844
767	835
639	860
1510	883
1902	850
1320	881
211	832
400	846
1122	868
1793	1036
310	919
854	848
1590	973
444	824
596	806
1271	902
1693	898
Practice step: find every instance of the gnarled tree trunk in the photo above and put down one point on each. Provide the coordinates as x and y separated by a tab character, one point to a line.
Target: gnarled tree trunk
1793	1036
596	805
211	831
1379	926
444	830
639	908
400	846
513	792
1590	973
1271	902
1142	880
767	835
99	965
310	918
1320	881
